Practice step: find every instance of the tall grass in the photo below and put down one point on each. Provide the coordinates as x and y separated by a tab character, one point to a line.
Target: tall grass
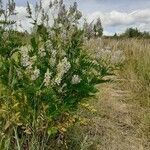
136	69
134	77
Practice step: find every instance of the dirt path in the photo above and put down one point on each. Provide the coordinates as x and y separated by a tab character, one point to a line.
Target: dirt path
114	127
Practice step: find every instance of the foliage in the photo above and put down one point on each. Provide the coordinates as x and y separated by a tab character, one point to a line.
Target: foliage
45	78
135	33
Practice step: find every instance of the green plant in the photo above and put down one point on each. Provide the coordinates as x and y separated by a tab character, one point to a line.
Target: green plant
44	79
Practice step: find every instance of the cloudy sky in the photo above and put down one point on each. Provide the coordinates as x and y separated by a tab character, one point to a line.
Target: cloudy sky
116	15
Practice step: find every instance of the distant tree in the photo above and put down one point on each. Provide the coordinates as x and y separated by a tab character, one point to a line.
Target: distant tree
98	29
135	33
132	32
115	35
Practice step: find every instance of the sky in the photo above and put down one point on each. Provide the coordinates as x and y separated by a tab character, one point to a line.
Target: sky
116	15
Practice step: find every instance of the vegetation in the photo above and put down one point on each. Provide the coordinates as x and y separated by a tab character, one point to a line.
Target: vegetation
44	79
51	91
121	120
133	33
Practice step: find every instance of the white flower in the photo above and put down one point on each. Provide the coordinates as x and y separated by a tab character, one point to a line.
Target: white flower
29	67
25	61
60	25
62	68
47	78
76	79
35	74
53	53
42	52
58	80
66	65
24	51
52	60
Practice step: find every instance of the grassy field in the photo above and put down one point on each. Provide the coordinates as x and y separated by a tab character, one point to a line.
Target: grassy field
122	120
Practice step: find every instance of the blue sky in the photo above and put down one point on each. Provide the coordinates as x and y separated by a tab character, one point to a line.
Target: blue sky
116	15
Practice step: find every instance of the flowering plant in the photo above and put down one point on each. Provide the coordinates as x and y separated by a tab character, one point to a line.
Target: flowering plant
45	79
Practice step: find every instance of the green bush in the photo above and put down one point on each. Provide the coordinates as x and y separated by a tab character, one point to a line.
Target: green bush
44	79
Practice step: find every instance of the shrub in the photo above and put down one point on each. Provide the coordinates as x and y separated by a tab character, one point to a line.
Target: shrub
44	80
135	33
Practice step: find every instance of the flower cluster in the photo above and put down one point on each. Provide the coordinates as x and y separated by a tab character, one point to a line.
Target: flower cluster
52	60
25	59
76	79
48	45
42	52
62	68
47	78
52	52
35	74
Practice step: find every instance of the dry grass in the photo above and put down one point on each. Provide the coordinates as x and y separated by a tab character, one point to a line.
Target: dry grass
122	120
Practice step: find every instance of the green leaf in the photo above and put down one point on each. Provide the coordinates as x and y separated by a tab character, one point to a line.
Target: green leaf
52	131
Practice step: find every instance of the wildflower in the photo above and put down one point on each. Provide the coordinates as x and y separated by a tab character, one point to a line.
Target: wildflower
48	45
62	68
25	59
42	52
29	67
76	79
66	65
58	79
35	74
24	51
60	25
52	60
53	53
47	78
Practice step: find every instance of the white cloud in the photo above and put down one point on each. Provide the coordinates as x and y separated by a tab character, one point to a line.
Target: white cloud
122	20
113	21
